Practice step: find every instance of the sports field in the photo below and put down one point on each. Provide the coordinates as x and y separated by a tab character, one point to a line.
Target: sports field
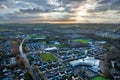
14	42
84	41
99	78
48	57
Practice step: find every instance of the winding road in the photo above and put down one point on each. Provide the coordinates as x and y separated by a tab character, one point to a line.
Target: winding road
30	68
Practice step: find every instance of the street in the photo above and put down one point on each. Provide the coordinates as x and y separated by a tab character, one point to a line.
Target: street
30	68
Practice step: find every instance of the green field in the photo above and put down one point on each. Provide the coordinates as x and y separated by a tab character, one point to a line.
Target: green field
84	41
1	37
99	78
48	57
14	42
4	29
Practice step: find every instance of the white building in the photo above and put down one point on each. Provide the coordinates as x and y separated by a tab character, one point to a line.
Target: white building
50	49
87	61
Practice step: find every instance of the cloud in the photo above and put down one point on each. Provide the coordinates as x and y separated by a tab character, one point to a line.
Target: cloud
34	10
59	10
104	5
3	0
3	6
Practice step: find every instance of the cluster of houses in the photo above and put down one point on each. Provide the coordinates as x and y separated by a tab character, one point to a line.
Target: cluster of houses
62	75
52	69
96	49
77	58
6	48
106	34
71	63
67	54
9	63
13	74
9	69
68	59
33	46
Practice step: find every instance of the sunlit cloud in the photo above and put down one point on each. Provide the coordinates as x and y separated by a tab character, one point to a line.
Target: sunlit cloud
60	11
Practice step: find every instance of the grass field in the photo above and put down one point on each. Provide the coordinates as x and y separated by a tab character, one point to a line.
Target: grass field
2	37
84	41
48	57
14	42
4	29
99	78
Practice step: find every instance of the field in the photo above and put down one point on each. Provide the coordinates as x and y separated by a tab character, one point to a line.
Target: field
4	29
84	41
14	42
99	78
48	57
1	37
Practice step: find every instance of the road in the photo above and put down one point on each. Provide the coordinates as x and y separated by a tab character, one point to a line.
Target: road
30	68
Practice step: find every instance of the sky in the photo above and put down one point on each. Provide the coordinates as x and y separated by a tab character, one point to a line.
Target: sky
59	11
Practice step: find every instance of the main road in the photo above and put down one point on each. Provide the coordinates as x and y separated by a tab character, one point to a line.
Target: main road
30	68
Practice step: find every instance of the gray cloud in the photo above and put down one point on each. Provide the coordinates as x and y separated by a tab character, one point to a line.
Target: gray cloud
17	9
3	0
104	5
34	10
